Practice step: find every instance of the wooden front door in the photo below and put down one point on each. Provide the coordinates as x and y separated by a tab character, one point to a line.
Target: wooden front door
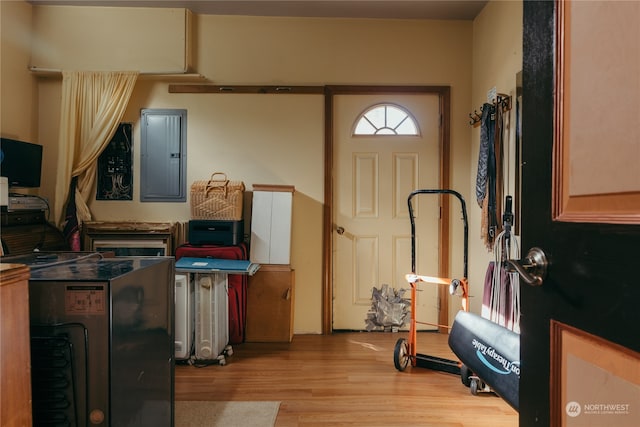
580	329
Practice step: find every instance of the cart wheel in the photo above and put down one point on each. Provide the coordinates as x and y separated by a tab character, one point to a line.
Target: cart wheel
465	374
401	354
473	386
228	351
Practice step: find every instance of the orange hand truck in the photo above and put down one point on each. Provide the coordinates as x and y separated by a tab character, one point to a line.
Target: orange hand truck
405	350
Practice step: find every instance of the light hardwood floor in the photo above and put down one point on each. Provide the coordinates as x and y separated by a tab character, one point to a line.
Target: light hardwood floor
345	379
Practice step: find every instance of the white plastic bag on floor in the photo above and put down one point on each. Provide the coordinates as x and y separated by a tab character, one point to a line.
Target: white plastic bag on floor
389	309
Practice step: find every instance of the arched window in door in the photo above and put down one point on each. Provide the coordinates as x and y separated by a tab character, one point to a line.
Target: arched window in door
386	119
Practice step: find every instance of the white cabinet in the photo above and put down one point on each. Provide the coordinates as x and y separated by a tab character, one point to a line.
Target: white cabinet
271	214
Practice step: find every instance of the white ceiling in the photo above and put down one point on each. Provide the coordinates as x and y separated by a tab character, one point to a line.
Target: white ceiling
389	9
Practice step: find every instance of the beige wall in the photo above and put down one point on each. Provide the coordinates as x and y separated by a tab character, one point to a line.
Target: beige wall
18	116
278	139
18	88
106	39
497	58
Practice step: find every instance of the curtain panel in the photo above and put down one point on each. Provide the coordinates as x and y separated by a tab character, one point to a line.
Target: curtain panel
92	106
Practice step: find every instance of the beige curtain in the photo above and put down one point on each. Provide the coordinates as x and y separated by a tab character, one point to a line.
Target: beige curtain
92	106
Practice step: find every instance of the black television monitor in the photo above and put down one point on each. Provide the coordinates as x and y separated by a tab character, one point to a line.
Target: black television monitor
21	163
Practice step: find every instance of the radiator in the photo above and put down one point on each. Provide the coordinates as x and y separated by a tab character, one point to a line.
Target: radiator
184	301
211	316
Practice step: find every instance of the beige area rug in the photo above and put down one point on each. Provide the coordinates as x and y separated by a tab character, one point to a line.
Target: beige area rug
227	414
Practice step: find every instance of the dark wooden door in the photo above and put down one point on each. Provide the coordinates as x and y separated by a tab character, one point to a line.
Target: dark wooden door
580	330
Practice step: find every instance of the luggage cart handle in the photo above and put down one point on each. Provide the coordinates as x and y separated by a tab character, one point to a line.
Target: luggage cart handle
463	207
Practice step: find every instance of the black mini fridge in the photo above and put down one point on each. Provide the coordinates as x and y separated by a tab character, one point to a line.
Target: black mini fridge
102	339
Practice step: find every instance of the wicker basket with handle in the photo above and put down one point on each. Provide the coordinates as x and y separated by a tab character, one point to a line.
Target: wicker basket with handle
217	198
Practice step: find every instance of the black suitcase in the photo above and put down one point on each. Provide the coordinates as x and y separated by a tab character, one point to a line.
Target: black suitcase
215	232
